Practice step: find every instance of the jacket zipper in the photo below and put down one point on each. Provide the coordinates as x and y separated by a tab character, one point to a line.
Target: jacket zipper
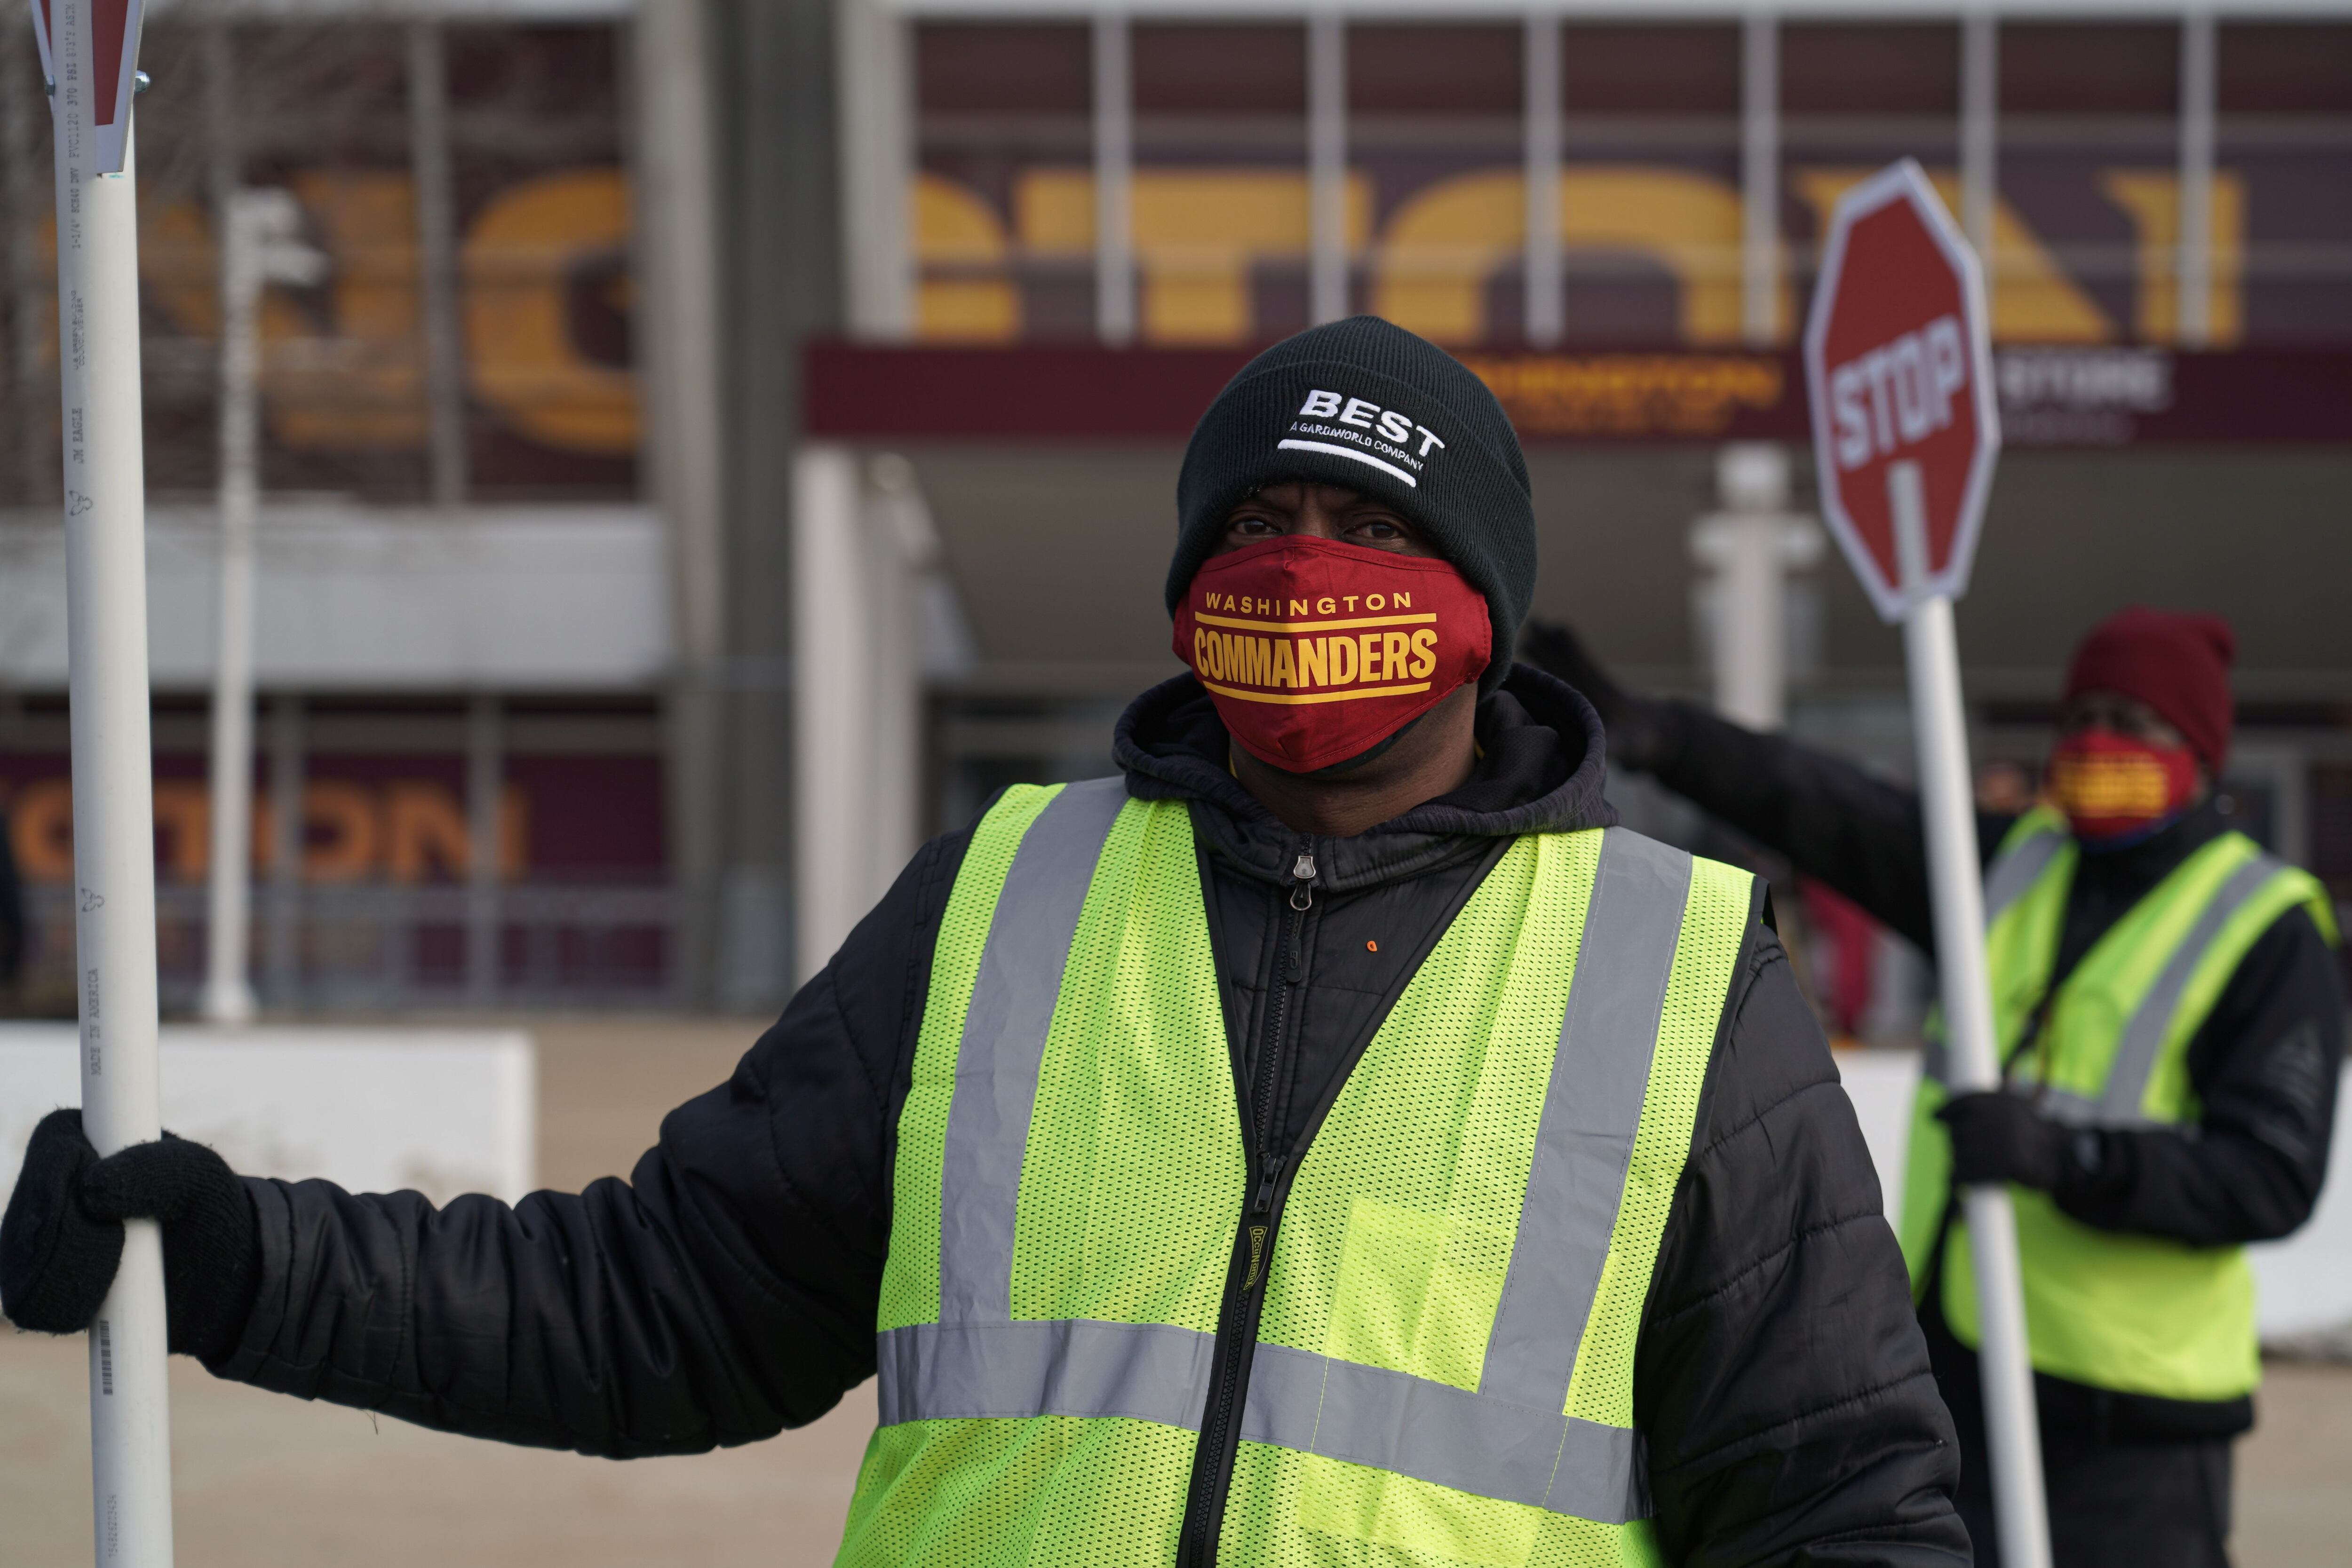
1213	1460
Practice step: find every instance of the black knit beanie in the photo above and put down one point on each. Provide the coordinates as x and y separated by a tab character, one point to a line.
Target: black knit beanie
1368	405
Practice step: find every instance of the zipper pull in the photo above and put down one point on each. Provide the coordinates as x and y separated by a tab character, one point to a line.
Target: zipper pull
1302	886
1263	1204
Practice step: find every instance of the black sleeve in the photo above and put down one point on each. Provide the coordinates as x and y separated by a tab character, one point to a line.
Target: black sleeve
725	1291
1782	1381
2264	1065
1850	828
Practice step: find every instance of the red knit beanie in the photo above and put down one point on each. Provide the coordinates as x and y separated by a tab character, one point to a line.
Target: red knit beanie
2177	664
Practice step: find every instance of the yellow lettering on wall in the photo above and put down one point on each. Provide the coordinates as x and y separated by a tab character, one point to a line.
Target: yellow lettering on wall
424	833
1445	242
184	817
40	821
352	378
959	233
517	262
2151	198
2033	300
370	391
40	827
348	813
401	831
1197	233
178	266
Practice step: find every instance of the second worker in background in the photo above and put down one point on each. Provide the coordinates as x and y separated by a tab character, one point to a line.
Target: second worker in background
2169	1011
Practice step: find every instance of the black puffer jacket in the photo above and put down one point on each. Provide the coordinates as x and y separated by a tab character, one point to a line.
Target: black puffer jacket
729	1288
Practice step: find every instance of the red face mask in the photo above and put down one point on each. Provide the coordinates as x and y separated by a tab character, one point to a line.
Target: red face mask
2111	786
1316	650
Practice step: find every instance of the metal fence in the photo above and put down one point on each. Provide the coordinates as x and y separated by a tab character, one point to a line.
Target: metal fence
381	948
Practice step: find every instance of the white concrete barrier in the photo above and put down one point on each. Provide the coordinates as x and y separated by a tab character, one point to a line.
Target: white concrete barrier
2305	1282
448	1112
444	1112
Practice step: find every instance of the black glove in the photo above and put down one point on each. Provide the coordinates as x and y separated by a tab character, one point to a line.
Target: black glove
1640	728
1998	1136
62	1238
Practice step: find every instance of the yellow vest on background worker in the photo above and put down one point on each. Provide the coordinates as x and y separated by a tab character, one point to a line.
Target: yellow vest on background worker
1450	1295
2107	1048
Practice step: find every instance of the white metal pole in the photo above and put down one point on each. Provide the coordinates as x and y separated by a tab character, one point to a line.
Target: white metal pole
486	766
901	546
1327	165
24	281
1759	178
286	838
1980	131
875	94
832	703
1750	686
227	995
1114	127
436	261
1744	544
2194	270
1547	281
1955	873
114	799
675	184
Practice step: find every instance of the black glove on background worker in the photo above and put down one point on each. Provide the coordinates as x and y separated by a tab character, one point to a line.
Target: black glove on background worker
2000	1137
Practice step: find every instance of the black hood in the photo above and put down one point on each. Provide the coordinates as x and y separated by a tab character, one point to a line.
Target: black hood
1540	770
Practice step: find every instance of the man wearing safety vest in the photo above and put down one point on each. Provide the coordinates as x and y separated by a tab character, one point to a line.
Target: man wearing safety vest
2170	1015
1333	1141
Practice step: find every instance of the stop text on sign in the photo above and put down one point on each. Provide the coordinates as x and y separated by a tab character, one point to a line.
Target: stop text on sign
1899	393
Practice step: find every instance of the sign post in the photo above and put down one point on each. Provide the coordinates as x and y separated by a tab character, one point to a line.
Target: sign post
1898	364
89	52
260	244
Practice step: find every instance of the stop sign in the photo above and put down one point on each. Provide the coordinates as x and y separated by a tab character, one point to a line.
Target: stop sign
1899	370
92	92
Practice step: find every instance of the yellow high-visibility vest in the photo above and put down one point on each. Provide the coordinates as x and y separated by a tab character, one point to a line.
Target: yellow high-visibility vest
2138	1315
1451	1288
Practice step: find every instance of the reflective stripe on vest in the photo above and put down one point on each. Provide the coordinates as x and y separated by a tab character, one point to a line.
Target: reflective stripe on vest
2019	866
1013	999
2120	1102
1510	1440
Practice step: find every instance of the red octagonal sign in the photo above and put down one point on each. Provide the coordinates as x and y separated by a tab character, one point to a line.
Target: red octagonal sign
1899	368
91	78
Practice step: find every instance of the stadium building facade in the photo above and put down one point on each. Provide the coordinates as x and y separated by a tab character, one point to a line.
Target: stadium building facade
733	439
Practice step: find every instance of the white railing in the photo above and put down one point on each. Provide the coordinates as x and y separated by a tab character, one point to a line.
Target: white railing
377	947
